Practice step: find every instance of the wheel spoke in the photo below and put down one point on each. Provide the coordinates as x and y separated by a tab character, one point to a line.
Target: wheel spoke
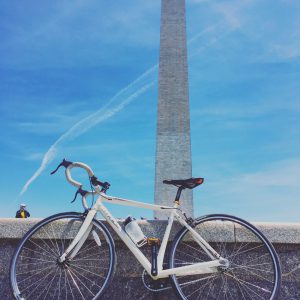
248	285
40	281
196	280
36	252
32	258
85	277
195	249
53	234
51	253
250	268
74	273
38	274
195	257
252	273
86	271
66	275
245	251
94	247
210	286
50	239
75	283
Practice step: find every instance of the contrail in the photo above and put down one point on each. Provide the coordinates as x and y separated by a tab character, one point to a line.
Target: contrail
84	125
98	116
47	157
203	32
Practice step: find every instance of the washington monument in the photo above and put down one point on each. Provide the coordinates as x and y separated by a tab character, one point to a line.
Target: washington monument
173	142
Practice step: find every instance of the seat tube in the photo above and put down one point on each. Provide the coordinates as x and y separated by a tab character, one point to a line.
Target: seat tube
161	252
178	194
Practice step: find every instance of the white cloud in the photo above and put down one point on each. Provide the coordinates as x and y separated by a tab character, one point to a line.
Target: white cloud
232	12
56	119
276	183
34	156
269	194
50	127
88	122
286	51
198	1
84	32
279	174
247	110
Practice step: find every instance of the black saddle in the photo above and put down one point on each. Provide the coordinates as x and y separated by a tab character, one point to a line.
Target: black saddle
185	183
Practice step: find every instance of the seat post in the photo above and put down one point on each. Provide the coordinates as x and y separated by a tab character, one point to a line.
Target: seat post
177	198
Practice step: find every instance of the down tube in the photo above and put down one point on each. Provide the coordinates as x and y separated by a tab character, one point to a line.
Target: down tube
124	237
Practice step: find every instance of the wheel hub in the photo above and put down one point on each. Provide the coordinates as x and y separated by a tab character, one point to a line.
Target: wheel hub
63	265
225	264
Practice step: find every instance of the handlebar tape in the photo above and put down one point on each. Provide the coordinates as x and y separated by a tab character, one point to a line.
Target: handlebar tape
94	180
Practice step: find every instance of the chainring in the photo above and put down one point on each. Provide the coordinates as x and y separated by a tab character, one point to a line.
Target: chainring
155	285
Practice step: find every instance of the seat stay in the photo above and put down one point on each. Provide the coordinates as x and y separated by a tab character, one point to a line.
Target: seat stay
200	241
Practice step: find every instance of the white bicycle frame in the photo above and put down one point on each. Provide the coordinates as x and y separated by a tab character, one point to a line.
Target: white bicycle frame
195	268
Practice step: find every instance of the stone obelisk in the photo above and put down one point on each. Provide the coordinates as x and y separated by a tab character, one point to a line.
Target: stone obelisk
173	142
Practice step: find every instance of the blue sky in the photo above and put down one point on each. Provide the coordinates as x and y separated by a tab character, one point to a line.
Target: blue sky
81	77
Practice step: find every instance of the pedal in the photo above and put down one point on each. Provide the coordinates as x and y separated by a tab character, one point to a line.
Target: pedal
153	240
154	243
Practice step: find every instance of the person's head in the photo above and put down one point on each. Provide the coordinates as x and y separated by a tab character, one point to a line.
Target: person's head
23	206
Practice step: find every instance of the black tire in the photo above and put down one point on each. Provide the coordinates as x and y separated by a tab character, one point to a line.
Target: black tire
35	272
254	268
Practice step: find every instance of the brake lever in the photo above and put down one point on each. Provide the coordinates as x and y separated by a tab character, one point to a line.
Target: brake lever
64	163
81	192
95	181
105	185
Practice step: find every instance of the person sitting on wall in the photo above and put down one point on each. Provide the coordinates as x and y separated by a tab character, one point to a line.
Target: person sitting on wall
22	212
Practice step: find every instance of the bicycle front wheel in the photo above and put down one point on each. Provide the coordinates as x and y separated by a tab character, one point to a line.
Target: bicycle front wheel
36	272
253	271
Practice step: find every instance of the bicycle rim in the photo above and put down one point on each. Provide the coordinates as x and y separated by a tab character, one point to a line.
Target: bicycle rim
253	272
36	272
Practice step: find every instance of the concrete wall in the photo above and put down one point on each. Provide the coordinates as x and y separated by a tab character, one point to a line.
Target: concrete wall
127	282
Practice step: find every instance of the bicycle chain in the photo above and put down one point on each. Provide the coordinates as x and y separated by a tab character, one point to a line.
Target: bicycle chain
151	284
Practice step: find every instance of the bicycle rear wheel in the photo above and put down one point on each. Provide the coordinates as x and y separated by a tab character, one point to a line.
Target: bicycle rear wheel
254	269
36	273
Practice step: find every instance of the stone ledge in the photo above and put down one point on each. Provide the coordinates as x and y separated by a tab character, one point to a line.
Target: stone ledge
279	233
127	283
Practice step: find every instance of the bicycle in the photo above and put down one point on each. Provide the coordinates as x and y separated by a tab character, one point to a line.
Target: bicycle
72	255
